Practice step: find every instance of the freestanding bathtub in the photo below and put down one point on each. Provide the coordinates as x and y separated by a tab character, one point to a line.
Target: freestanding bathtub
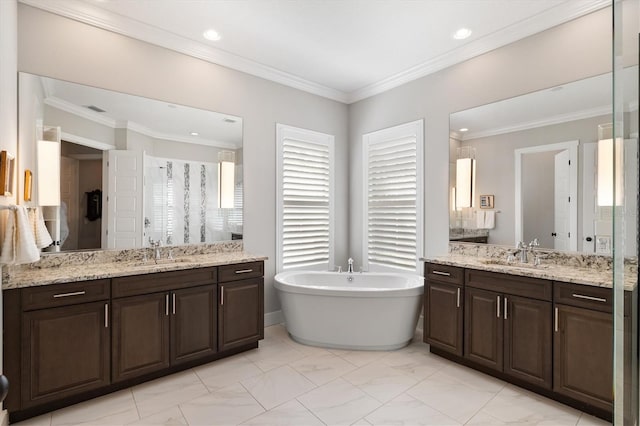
364	311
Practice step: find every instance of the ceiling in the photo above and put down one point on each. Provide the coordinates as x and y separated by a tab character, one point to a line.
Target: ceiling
345	50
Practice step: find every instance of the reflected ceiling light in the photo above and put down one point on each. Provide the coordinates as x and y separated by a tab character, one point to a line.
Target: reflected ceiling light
610	167
226	179
211	34
462	33
464	129
465	177
194	133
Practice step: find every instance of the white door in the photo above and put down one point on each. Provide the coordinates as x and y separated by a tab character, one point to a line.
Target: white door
562	206
124	201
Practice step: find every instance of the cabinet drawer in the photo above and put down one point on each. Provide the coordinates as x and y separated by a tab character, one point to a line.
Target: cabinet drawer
49	296
583	296
162	281
517	285
444	273
240	271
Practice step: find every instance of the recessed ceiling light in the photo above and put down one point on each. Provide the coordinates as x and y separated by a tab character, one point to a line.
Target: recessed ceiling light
194	133
462	33
211	34
464	129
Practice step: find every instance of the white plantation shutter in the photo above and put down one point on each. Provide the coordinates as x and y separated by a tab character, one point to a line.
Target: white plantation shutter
393	197
305	199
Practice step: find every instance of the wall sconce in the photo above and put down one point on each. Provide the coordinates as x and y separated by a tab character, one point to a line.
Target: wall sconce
226	179
610	167
48	175
465	177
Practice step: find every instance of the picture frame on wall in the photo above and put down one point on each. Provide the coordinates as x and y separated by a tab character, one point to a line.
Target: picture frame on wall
486	202
7	167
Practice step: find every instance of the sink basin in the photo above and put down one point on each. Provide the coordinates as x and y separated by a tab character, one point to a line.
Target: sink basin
161	262
512	264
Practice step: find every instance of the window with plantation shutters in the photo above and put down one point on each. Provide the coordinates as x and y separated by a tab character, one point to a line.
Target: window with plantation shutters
305	199
393	197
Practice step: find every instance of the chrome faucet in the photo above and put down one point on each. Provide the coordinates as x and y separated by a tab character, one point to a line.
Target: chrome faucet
156	249
532	246
350	267
522	250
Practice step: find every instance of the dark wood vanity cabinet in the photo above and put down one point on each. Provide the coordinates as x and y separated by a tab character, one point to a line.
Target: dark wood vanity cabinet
54	320
508	325
583	342
166	318
443	301
240	310
64	343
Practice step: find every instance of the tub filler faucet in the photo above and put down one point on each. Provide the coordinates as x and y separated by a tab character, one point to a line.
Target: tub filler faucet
350	267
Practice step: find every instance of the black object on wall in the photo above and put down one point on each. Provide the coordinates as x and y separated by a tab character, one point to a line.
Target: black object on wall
94	205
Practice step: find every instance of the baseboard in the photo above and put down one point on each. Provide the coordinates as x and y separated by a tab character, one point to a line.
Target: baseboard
273	318
4	418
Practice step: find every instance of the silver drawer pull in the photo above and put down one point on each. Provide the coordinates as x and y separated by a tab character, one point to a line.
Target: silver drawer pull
458	298
555	320
498	306
74	293
244	271
166	304
445	274
173	304
506	303
595	299
221	295
106	315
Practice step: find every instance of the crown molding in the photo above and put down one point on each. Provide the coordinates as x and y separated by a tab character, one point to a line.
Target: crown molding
95	16
79	111
556	119
547	19
81	140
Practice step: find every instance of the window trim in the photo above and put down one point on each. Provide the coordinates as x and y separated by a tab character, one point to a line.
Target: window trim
310	136
413	128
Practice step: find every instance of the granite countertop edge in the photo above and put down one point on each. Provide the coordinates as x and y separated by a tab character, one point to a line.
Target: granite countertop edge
32	277
569	274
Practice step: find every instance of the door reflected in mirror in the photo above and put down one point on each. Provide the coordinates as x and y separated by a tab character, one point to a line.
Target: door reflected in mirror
132	168
537	153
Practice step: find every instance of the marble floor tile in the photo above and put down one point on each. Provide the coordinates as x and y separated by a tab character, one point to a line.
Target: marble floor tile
406	410
114	409
277	386
473	378
274	354
361	422
417	364
513	405
277	331
587	420
222	373
171	417
381	381
453	398
358	358
160	394
42	420
483	419
339	402
323	368
229	406
291	413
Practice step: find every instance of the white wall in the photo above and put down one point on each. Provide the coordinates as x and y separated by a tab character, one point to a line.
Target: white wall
575	50
72	51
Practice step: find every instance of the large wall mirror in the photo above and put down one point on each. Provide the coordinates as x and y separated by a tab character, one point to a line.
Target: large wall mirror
535	166
132	169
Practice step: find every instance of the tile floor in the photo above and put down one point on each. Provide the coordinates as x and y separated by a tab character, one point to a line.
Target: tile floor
285	383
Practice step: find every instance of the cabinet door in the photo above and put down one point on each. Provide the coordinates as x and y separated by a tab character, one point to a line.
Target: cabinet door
483	327
140	335
241	313
527	340
443	316
65	351
194	326
582	355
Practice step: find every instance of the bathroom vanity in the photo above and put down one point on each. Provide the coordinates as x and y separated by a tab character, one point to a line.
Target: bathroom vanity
71	339
547	329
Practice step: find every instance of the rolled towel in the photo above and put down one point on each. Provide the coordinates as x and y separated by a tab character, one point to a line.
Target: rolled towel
8	252
40	231
26	250
489	219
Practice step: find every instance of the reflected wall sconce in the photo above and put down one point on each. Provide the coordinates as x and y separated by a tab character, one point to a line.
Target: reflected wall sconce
28	184
48	173
610	167
226	179
7	166
465	177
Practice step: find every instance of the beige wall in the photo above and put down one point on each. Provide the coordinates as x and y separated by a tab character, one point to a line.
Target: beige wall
69	50
575	50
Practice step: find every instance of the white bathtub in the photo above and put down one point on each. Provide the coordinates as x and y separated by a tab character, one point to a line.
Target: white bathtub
373	311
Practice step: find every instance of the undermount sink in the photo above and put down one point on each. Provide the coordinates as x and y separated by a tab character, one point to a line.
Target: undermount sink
514	264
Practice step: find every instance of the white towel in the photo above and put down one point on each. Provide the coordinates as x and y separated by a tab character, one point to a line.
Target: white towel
489	219
40	231
19	245
480	219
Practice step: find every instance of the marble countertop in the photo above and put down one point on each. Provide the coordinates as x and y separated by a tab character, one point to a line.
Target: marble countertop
593	276
34	276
